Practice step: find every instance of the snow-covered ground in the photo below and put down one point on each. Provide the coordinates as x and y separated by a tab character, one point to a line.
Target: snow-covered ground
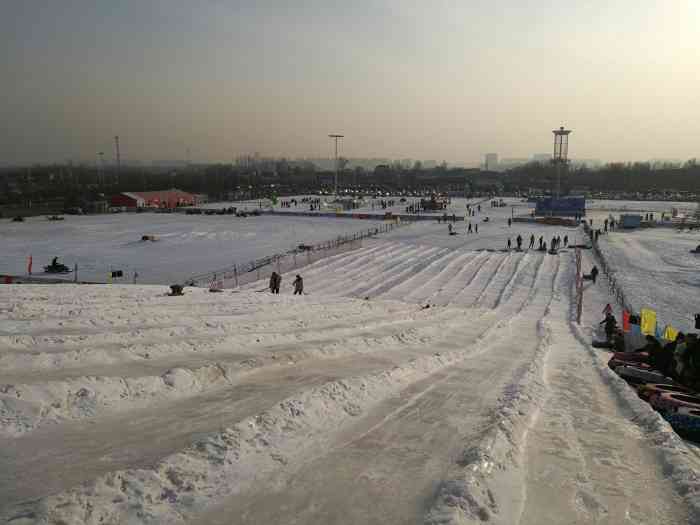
457	205
657	270
186	244
351	404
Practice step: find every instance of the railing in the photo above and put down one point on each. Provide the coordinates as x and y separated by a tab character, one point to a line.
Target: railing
240	274
615	288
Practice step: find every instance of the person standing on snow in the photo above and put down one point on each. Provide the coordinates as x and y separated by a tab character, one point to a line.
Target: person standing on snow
532	241
298	285
519	241
509	243
278	283
594	274
273	282
610	326
566	241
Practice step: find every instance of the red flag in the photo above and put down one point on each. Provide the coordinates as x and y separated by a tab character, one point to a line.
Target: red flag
625	321
29	265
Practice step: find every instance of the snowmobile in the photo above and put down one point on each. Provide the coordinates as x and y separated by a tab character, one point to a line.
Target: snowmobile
57	268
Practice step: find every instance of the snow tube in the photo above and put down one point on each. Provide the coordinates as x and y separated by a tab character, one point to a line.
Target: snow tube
614	363
602	344
688	410
687	425
648	390
636	375
670	402
631	356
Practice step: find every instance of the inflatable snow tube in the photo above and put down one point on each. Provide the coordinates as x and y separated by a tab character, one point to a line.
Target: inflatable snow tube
670	402
687	425
602	344
631	356
647	390
637	376
688	411
614	363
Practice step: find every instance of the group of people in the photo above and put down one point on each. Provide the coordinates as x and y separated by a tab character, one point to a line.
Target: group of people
276	282
542	246
678	359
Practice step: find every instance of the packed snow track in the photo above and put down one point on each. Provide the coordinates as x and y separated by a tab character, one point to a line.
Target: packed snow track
354	403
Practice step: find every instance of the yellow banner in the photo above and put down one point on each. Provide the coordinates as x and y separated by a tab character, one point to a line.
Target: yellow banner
648	321
670	333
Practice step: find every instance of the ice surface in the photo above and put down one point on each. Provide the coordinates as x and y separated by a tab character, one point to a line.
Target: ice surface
186	244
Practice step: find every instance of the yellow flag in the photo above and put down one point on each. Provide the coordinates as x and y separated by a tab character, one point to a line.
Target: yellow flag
648	321
670	333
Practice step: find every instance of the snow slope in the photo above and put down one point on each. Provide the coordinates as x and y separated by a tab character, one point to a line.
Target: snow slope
351	404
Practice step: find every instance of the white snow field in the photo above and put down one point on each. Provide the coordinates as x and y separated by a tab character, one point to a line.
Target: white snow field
352	404
186	244
657	270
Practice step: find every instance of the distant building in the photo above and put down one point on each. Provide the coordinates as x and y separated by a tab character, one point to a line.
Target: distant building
154	199
510	163
491	161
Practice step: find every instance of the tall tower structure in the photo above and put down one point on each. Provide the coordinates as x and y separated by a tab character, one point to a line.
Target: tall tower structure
561	153
335	137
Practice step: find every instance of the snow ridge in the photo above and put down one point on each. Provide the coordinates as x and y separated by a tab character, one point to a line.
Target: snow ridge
485	483
228	461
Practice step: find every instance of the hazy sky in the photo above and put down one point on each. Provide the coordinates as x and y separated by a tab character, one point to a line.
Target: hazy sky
400	78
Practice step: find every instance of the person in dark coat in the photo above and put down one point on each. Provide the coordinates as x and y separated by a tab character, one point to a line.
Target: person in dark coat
594	274
278	283
519	242
273	282
298	285
532	241
610	326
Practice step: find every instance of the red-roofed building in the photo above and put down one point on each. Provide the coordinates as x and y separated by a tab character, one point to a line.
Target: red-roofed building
154	199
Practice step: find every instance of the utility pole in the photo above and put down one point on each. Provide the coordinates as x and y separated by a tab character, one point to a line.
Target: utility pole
119	159
335	137
101	168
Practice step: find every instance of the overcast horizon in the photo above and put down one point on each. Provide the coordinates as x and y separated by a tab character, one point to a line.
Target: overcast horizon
446	81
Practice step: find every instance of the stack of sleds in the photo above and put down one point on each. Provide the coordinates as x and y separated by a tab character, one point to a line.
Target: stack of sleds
677	404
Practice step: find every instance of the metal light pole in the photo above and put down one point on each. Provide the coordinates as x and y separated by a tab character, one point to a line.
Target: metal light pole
118	156
335	137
